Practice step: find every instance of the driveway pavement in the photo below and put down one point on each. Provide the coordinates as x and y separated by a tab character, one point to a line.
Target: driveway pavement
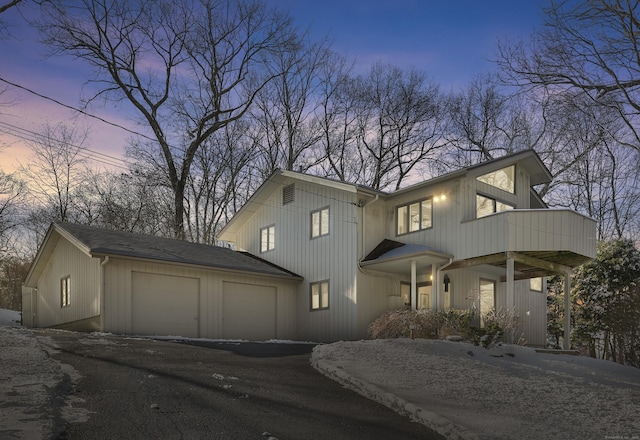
106	387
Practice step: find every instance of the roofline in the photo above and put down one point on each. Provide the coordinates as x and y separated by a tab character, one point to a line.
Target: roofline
41	247
290	276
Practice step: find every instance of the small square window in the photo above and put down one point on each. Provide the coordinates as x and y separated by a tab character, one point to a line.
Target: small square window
535	284
320	222
319	295
65	291
267	238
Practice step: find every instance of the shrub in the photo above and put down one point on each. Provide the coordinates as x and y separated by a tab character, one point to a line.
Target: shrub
405	324
425	324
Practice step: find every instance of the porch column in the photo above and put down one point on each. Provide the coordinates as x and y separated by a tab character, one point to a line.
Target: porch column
435	288
566	345
414	287
510	283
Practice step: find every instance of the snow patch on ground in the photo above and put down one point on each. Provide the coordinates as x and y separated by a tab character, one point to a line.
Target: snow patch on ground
34	387
468	392
10	317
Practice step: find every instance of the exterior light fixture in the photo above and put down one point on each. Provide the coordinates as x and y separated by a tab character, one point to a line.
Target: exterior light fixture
447	281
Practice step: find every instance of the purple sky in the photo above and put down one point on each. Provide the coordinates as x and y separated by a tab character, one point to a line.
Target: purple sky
451	40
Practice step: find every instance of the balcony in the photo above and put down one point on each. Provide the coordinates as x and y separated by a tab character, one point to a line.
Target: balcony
541	241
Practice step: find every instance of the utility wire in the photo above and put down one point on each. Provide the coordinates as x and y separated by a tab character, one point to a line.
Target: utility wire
88	153
74	108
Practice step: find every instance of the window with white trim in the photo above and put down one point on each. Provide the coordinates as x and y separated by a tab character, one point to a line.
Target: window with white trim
65	291
414	216
319	295
267	238
487	205
503	179
320	222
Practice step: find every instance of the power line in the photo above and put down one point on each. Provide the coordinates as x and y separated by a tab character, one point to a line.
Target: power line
74	109
31	136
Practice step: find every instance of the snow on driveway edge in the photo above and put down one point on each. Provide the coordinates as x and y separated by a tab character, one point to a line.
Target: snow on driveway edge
430	419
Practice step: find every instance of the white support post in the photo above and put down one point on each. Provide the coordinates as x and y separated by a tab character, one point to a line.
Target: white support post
414	286
436	288
566	345
511	294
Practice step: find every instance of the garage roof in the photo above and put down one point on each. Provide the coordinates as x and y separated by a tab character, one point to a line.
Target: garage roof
100	242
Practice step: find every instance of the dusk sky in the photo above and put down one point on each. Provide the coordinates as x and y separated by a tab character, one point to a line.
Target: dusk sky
452	41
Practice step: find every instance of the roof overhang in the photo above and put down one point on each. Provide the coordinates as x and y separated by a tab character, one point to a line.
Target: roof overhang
530	264
395	257
275	181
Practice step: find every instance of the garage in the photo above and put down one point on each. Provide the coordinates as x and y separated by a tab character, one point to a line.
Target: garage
249	311
164	305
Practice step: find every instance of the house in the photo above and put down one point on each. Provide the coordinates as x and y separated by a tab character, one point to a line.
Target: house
478	238
320	260
90	279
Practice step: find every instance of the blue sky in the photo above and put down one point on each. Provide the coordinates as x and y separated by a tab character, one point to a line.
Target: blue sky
451	40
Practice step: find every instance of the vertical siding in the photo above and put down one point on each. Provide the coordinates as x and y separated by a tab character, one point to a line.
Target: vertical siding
84	272
333	257
117	314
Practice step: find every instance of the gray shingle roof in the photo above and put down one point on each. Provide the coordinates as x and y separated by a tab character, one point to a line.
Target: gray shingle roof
101	241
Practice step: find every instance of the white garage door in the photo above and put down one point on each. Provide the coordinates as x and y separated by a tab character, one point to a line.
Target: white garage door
164	305
248	311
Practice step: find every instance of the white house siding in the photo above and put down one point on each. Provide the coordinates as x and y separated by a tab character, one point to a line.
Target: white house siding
84	273
464	288
333	257
118	296
532	308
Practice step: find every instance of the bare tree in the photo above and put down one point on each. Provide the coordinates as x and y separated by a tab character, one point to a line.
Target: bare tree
337	117
484	123
12	272
56	169
187	68
285	119
133	202
11	193
587	48
220	183
399	122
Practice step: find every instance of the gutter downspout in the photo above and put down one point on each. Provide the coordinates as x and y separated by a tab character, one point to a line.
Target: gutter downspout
103	263
375	199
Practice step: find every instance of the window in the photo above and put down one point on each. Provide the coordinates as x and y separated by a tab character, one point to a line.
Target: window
535	284
486	206
503	179
414	216
65	291
319	295
320	222
267	238
423	291
487	298
288	194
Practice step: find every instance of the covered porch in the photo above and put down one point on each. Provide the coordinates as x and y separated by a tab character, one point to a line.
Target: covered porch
412	261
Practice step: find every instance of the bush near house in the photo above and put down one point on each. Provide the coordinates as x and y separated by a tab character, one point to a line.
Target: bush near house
427	324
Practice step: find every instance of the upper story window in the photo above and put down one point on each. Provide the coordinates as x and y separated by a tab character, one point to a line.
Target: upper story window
320	222
414	216
503	179
486	206
267	238
65	291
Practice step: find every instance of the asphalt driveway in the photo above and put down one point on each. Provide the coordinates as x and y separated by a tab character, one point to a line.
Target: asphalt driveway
149	389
